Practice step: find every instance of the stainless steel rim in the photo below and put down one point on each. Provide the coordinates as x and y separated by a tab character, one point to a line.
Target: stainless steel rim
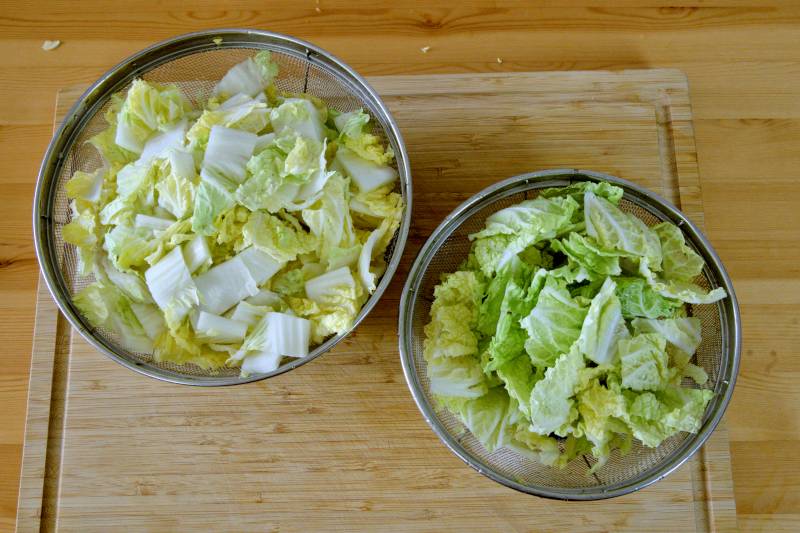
143	61
558	178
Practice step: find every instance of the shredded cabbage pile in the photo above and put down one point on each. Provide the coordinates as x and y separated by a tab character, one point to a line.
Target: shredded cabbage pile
566	331
236	234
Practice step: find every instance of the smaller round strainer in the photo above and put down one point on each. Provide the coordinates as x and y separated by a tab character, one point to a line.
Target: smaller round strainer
718	353
195	62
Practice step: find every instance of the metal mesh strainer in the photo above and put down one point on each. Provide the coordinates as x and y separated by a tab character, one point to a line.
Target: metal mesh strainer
718	354
195	63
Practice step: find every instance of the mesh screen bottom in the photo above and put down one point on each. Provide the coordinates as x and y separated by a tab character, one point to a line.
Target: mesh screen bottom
620	468
196	74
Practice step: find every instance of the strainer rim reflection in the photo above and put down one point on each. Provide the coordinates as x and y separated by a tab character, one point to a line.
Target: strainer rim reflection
729	359
158	54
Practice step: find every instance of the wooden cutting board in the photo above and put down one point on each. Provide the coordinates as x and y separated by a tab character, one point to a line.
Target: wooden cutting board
338	445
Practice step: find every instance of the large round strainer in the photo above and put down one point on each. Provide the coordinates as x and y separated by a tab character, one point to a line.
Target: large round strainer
195	62
718	353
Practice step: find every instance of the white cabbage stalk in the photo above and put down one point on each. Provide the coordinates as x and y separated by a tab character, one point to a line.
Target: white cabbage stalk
225	285
279	333
264	141
159	145
181	163
248	313
227	154
150	318
219	329
244	78
365	258
171	285
261	363
154	223
265	297
367	175
321	286
196	253
260	264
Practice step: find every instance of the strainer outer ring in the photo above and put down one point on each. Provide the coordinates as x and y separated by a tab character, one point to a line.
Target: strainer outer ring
731	328
142	62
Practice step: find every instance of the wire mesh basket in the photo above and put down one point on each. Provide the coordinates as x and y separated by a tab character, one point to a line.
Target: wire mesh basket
195	62
718	353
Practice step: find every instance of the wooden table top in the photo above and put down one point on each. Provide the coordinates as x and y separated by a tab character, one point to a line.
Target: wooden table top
743	63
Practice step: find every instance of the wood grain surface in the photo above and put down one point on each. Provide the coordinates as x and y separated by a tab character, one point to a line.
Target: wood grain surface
743	65
95	443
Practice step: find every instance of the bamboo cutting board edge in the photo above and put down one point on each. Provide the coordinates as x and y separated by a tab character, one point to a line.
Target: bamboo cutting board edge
665	89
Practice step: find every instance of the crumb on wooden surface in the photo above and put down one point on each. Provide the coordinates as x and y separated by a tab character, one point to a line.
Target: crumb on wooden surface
51	45
425	49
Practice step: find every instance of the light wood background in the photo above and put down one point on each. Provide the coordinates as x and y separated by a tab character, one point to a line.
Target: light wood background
742	58
265	454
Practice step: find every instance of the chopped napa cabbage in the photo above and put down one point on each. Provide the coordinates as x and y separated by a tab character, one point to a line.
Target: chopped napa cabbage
299	116
603	326
227	154
354	136
616	230
224	285
513	229
249	77
172	287
248	313
638	299
334	310
265	297
366	257
644	362
553	324
680	261
176	185
201	220
148	108
218	329
150	318
553	408
565	331
681	333
261	363
197	253
161	144
86	185
322	286
107	306
278	333
366	174
610	192
260	264
279	237
132	285
152	223
82	232
330	220
454	314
